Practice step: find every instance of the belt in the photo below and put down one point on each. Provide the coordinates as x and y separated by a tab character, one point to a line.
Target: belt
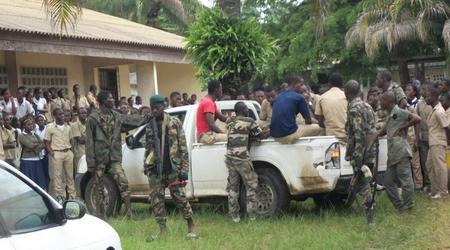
62	150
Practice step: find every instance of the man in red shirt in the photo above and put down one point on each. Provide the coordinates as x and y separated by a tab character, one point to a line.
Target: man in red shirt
207	113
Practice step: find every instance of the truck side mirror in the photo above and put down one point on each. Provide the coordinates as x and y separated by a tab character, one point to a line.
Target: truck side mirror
129	140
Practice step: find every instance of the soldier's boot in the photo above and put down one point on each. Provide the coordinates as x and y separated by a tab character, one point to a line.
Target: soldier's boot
192	232
127	202
162	233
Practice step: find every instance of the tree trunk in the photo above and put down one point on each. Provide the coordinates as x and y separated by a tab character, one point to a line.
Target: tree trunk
403	71
419	73
232	8
153	14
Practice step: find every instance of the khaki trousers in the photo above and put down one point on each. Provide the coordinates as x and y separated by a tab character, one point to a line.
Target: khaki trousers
423	153
437	169
212	137
61	174
416	168
302	131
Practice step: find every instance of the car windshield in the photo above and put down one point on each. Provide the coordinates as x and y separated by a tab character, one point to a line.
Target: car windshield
22	209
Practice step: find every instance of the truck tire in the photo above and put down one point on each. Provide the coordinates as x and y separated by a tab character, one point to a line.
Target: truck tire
272	193
112	196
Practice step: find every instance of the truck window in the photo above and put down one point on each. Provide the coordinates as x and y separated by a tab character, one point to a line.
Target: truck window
140	138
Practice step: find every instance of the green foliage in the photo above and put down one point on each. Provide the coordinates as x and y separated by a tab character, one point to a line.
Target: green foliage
228	49
137	10
301	51
63	13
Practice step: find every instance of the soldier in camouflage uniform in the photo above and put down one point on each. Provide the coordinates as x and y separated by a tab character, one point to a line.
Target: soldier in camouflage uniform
241	129
384	83
104	148
360	123
173	170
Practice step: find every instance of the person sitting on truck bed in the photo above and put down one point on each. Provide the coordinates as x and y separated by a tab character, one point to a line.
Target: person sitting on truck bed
207	113
331	110
283	126
241	129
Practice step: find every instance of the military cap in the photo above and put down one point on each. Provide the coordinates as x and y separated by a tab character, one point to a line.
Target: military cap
157	99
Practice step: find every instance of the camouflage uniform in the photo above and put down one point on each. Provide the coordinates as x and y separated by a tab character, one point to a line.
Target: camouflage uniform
239	164
104	149
398	172
360	121
381	114
174	170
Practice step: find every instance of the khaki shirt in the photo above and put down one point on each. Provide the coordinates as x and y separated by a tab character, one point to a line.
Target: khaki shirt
437	121
266	111
8	137
78	130
92	100
2	151
398	147
82	102
58	136
332	105
423	110
380	113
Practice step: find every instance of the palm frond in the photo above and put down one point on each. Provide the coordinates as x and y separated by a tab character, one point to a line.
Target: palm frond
320	10
446	33
63	13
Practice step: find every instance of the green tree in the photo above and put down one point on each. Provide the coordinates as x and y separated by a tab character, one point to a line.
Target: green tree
231	50
398	24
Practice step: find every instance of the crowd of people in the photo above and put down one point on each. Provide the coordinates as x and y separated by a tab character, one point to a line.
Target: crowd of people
45	134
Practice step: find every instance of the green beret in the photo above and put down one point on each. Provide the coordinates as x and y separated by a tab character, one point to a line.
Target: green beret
157	99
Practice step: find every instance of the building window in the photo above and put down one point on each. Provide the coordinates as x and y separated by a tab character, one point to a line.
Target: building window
3	78
32	77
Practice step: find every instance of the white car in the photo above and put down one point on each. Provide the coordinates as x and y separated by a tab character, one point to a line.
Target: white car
31	219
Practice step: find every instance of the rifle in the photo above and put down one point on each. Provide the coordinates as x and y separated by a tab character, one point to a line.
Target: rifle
373	186
157	148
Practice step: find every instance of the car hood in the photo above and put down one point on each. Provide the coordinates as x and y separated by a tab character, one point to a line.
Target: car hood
92	229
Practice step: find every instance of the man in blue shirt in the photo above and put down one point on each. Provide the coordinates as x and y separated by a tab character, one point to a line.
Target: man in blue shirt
287	105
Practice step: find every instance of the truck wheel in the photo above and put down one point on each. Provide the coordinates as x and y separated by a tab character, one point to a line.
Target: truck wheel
272	194
112	196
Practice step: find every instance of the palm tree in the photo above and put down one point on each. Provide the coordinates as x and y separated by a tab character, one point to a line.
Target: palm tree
391	23
64	13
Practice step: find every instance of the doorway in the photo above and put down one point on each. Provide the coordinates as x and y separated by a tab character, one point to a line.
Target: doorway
108	81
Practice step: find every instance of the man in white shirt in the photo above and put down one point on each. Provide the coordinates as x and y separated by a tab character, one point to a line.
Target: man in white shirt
40	101
23	106
138	103
8	104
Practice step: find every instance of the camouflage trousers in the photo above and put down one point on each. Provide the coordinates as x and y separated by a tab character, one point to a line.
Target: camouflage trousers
237	170
363	190
157	197
115	170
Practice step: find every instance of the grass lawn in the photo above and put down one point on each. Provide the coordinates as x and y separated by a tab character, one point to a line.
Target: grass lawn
304	227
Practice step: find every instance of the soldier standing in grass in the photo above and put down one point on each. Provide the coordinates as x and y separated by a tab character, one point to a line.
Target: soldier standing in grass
360	124
173	169
104	149
241	129
398	173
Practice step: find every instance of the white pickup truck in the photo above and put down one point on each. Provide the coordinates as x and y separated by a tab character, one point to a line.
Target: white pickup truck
311	167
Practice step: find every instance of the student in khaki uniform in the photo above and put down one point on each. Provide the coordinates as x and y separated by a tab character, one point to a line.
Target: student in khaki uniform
445	100
398	172
439	135
79	136
423	110
77	101
92	97
9	141
57	141
331	110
